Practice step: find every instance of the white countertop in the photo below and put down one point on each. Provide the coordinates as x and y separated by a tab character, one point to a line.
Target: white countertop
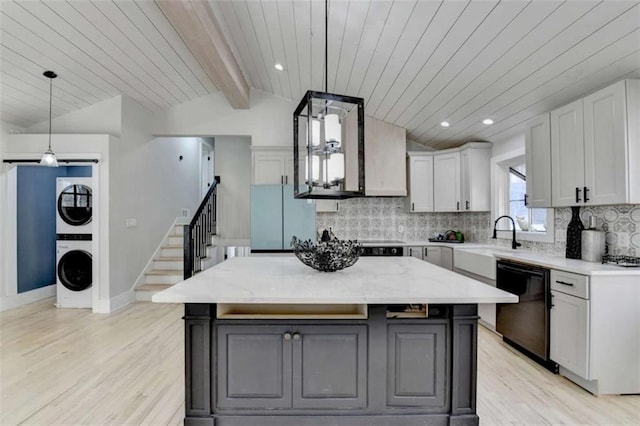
564	264
372	280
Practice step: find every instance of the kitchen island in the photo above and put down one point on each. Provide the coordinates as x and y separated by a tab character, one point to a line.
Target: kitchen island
388	341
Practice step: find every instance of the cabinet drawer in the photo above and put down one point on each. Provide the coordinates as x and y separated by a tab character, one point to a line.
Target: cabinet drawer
569	283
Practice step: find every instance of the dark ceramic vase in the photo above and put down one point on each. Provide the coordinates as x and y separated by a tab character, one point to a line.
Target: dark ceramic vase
574	235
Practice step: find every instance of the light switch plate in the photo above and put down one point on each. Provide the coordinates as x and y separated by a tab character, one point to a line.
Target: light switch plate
131	223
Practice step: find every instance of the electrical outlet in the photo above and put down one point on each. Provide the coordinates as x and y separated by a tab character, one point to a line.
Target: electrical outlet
131	223
400	228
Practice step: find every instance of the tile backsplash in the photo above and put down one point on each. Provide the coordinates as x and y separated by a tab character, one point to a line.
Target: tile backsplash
387	218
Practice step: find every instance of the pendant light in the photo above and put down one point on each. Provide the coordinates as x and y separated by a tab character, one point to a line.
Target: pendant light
328	141
49	157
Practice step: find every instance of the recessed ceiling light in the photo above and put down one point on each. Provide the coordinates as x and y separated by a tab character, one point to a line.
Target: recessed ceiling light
487	121
279	67
445	124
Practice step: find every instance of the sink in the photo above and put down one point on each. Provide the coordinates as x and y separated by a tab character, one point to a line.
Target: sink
480	261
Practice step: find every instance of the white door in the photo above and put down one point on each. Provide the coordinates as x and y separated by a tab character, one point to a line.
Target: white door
569	335
538	159
446	182
421	183
605	143
567	151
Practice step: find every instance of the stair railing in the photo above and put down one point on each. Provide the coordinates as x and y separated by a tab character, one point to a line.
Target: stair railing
198	233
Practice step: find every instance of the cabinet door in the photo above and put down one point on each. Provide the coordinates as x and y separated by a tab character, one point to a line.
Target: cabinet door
446	182
330	367
299	217
254	367
287	164
433	255
605	146
266	217
475	179
385	155
569	335
327	206
414	252
416	358
567	151
538	159
447	258
268	169
421	183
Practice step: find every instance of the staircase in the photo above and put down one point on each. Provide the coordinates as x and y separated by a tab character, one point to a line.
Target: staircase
167	267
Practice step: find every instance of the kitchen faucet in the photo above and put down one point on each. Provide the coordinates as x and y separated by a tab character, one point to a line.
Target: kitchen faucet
514	243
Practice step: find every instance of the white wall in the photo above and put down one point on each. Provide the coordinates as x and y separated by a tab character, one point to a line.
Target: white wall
233	165
503	146
5	130
269	121
103	117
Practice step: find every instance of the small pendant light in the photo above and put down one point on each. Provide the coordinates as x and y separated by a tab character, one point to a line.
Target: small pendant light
49	157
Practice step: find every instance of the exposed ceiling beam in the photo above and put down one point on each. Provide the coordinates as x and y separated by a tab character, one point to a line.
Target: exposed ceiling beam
198	28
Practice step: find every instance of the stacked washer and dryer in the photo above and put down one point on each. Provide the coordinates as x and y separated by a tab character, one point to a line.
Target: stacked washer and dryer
74	234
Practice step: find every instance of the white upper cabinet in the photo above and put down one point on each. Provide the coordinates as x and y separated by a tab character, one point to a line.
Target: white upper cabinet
420	182
595	148
538	158
475	179
385	152
272	165
446	178
327	206
605	146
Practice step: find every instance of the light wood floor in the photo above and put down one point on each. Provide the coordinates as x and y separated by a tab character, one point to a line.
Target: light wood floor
72	367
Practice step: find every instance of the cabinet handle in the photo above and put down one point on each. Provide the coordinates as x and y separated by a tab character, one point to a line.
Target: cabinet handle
551	305
410	252
413	207
287	336
467	205
286	179
586	191
565	283
337	206
526	202
296	336
457	205
425	252
281	180
577	195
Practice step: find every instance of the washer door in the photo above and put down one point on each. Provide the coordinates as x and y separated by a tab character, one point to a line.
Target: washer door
75	270
74	205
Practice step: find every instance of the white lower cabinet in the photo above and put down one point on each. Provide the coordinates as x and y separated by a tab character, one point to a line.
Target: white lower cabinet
433	255
414	252
569	334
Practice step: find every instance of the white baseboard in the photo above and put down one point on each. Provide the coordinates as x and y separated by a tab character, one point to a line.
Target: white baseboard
10	302
115	303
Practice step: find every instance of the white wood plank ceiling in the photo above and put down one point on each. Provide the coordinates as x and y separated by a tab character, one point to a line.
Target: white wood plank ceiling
416	62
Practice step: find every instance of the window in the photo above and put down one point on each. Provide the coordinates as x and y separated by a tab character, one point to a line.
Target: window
531	220
509	189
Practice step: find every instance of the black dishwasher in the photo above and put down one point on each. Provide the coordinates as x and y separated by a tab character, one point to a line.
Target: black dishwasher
525	325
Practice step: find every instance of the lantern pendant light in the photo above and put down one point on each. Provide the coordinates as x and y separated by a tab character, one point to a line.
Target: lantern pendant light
328	142
49	157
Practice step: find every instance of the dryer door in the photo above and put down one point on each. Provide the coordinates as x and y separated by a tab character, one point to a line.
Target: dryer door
74	205
75	270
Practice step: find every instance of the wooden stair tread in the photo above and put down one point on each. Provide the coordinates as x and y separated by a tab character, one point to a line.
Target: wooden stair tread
169	246
168	258
164	272
153	287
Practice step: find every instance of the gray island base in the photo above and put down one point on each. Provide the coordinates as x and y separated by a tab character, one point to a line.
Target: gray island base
369	370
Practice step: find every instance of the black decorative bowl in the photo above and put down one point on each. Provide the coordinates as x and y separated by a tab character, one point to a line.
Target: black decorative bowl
327	256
